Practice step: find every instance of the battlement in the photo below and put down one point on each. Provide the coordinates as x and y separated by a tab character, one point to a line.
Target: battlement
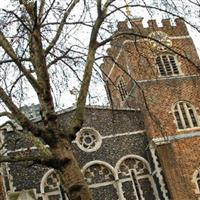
136	25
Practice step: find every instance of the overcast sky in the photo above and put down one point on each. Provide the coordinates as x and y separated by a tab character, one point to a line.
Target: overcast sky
67	99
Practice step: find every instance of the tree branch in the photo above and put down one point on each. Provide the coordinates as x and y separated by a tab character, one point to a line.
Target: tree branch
77	120
60	28
41	10
47	12
4	43
18	18
23	120
11	60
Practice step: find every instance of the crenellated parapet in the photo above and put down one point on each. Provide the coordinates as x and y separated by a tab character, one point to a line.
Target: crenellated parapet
177	29
137	44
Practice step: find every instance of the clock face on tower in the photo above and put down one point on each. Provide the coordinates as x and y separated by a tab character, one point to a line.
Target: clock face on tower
163	39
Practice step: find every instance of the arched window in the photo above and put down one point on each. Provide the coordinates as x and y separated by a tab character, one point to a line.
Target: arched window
196	181
185	115
101	177
135	177
167	65
121	86
50	187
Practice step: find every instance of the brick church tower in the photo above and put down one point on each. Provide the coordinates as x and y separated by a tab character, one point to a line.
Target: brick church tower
157	69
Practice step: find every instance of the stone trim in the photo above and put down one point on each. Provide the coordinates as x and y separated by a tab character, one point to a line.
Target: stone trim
25	149
177	63
158	171
88	139
114	173
187	106
118	182
174	138
194	180
120	135
5	172
10	178
143	176
167	78
132	156
140	40
123	134
102	137
180	37
99	162
44	179
44	194
170	37
97	107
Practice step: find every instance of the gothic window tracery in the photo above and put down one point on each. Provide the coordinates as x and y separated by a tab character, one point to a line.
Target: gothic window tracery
50	187
135	178
98	173
101	180
131	179
167	65
88	139
185	115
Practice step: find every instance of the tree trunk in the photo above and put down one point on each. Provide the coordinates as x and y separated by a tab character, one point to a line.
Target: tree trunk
71	177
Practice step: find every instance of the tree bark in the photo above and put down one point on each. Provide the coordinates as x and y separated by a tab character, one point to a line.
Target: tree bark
70	173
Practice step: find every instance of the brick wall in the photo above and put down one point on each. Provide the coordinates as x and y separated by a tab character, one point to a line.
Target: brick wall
179	161
156	95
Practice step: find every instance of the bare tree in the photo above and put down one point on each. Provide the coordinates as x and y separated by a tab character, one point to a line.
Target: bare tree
40	45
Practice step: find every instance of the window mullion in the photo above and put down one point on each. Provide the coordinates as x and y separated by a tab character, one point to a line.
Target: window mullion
170	64
136	184
181	116
163	64
167	65
188	114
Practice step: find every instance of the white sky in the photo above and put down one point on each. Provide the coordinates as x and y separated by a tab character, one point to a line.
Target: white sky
67	99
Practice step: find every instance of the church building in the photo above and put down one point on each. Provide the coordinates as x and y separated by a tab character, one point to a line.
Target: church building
146	146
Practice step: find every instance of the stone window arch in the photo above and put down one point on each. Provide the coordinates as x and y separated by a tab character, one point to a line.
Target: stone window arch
101	179
122	87
196	181
50	187
185	115
167	65
136	182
